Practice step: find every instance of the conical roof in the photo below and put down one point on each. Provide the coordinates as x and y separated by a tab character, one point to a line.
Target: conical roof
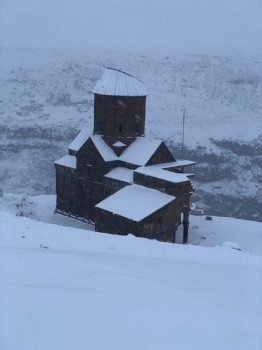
116	83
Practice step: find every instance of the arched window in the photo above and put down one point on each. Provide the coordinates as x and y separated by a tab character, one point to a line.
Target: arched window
137	127
120	128
89	170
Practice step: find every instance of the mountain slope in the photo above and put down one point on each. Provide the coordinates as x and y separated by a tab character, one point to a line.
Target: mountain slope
47	98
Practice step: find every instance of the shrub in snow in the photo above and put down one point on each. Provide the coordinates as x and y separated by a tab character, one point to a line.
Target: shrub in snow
231	245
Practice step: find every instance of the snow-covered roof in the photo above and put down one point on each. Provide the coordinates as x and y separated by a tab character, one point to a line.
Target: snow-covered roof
171	165
122	174
81	138
68	161
178	164
140	151
163	174
119	144
106	152
113	82
135	202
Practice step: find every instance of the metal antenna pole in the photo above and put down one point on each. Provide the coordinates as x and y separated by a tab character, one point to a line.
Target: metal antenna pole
183	135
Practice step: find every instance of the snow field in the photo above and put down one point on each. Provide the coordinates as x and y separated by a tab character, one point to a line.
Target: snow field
65	288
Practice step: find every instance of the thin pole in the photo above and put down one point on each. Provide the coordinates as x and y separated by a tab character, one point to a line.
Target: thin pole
183	135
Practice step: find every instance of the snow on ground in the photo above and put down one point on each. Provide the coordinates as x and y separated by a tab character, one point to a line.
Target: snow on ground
247	234
40	208
65	288
201	232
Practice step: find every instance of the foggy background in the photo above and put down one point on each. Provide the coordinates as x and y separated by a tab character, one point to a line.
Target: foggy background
181	26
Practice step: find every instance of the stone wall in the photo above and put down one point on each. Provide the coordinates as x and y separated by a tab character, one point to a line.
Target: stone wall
162	155
119	116
182	190
160	225
91	169
66	189
78	191
115	224
113	185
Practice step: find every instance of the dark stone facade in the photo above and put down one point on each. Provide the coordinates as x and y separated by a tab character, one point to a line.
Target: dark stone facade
160	225
181	190
67	190
119	116
80	189
163	155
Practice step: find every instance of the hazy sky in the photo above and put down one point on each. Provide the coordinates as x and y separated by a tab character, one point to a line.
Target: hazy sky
183	26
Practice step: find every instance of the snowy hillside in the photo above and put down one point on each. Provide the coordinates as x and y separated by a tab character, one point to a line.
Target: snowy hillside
201	232
66	288
47	98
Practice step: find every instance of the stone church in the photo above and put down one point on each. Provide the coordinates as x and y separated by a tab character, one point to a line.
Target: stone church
117	178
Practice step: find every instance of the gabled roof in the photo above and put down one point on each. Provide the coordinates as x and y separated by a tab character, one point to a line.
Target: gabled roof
135	202
68	161
163	174
113	82
140	151
178	164
81	138
122	174
105	151
160	171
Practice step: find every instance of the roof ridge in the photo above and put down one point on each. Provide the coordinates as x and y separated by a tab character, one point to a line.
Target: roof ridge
105	151
118	70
